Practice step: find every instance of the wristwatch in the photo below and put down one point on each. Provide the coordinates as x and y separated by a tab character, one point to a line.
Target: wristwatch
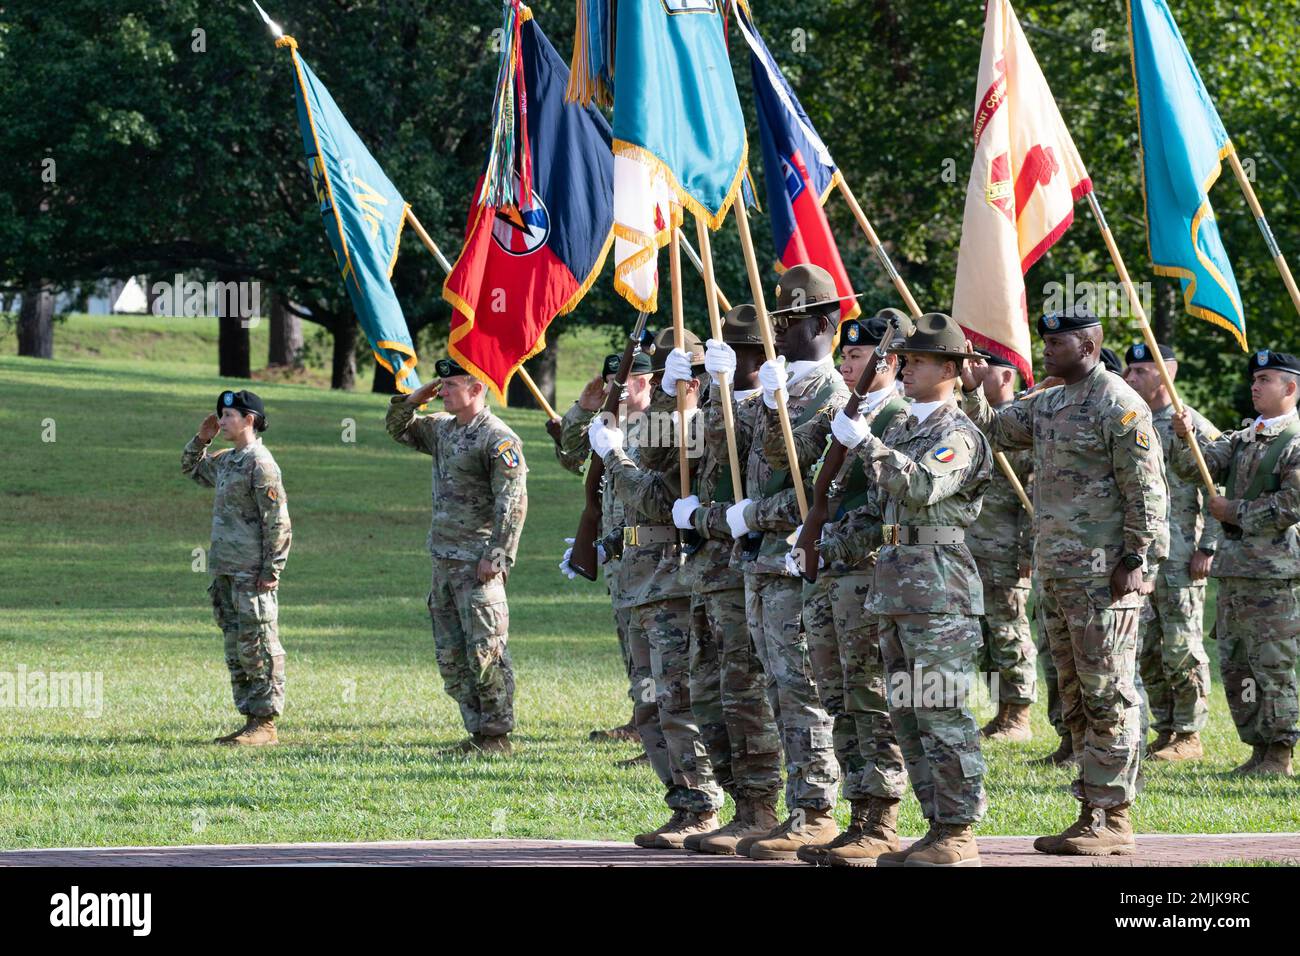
1131	562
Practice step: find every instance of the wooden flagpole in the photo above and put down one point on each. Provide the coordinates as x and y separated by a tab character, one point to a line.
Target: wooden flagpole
715	293
715	329
1269	239
679	342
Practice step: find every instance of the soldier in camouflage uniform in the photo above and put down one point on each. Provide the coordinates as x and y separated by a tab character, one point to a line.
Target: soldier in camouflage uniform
1171	658
1100	503
927	478
844	641
805	319
573	451
480	498
1258	562
251	535
728	686
1001	541
661	610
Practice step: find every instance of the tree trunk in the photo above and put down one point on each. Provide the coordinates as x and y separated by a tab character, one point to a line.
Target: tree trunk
542	368
36	323
286	335
344	373
1165	321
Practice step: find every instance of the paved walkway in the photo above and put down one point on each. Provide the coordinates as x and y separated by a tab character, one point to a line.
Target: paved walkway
1154	850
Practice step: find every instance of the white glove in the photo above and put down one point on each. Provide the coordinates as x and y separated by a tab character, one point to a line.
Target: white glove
564	562
772	376
684	510
792	564
677	368
603	440
736	519
719	359
849	432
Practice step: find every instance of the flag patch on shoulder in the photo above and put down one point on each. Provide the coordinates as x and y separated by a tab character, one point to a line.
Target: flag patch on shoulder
1141	439
944	455
506	451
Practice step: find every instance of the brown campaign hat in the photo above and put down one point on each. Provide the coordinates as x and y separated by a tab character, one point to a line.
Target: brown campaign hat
740	326
690	342
804	286
936	334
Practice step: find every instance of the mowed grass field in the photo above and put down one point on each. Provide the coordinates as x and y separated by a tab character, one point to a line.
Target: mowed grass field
97	534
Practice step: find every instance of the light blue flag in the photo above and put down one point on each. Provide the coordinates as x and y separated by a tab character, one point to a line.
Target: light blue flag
363	214
1183	142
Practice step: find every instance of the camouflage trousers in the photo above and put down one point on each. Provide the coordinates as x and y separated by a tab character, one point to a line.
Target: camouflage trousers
930	660
1008	649
1044	652
249	622
622	616
1172	662
729	698
667	625
471	623
645	703
1093	641
774	608
844	645
1257	626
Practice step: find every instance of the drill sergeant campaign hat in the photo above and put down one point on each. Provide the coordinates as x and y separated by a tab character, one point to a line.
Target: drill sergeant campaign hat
740	326
1140	352
243	401
1068	320
935	334
1266	358
804	290
690	342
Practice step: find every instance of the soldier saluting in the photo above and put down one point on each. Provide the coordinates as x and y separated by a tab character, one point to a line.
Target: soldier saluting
480	498
250	545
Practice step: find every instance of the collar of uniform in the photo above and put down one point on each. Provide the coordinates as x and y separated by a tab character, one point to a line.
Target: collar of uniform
805	370
477	419
1272	426
1164	414
741	394
252	445
923	410
879	395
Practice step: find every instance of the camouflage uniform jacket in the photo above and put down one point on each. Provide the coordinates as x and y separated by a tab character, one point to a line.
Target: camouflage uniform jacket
1269	544
480	494
1004	530
1100	488
251	532
930	473
1190	524
711	518
711	568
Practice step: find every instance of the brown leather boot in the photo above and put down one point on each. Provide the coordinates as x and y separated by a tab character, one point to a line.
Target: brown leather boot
227	738
1015	725
693	840
873	831
467	746
1052	844
647	840
953	846
1180	747
260	732
625	734
697	824
1160	743
994	725
1109	833
498	744
1256	755
760	820
802	827
899	857
1061	755
1276	762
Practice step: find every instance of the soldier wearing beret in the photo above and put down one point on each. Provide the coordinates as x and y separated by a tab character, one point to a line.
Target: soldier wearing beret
1258	561
251	535
927	478
661	608
1100	506
480	498
1172	662
1002	542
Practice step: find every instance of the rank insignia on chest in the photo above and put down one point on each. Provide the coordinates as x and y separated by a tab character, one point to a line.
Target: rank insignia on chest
506	451
944	455
1128	418
1142	440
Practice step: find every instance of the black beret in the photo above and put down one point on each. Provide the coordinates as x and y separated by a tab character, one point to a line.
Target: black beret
1139	352
855	332
244	401
1111	361
1069	320
1265	358
447	367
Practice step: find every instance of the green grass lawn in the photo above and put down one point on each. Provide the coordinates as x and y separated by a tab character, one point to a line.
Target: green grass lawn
97	530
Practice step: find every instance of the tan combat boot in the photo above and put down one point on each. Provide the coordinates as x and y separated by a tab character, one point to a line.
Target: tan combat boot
954	845
1061	755
467	746
495	744
1109	833
693	840
227	738
647	840
1052	844
759	820
1256	755
803	827
1276	761
1180	747
625	734
1160	743
899	857
1015	725
872	832
692	824
259	733
994	725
